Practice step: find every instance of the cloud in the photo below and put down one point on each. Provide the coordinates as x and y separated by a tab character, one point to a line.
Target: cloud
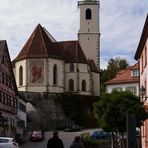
121	23
121	26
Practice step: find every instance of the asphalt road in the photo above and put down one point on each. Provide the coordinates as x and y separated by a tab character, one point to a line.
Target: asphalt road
67	138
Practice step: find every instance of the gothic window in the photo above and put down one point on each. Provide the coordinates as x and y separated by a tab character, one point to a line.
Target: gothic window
55	74
71	67
83	85
88	14
71	85
20	76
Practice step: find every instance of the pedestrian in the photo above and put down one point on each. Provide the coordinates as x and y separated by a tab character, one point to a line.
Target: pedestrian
77	143
55	141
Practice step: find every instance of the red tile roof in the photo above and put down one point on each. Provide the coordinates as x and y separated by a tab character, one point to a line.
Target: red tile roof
124	76
39	45
93	66
73	52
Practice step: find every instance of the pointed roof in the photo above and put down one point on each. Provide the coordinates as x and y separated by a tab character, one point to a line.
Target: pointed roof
73	52
124	76
5	52
2	45
93	66
39	45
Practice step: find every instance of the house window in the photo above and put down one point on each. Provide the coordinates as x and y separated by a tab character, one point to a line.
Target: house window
20	76
135	73
71	85
21	123
22	107
88	14
55	74
83	85
117	89
132	89
142	64
71	67
145	55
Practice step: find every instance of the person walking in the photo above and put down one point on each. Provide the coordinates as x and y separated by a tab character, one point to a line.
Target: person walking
77	143
55	141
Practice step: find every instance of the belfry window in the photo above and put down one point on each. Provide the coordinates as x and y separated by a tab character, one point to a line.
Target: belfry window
88	14
55	74
71	85
20	76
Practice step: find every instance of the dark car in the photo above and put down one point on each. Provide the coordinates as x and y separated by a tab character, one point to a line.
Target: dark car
74	128
37	136
101	135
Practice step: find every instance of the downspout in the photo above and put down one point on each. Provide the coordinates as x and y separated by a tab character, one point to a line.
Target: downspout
77	68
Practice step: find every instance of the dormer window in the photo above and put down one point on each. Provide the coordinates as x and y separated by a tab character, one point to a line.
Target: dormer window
134	73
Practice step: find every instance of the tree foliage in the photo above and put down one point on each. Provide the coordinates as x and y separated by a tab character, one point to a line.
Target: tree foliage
111	110
113	67
77	108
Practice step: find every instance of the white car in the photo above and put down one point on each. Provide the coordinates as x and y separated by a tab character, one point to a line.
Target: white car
8	142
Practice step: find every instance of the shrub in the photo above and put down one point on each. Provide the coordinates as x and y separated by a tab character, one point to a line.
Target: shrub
87	139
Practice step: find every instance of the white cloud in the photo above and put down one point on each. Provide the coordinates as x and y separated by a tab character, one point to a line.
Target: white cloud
121	23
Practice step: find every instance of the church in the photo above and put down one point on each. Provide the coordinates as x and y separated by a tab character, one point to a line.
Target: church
45	65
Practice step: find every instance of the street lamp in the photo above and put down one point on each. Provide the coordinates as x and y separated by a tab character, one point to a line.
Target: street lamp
143	94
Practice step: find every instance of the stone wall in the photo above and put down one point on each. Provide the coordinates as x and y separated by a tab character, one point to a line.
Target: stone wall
48	114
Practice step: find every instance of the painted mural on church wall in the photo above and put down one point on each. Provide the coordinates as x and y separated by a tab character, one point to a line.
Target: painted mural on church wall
36	71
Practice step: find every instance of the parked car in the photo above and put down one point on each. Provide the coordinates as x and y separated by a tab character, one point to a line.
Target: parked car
8	142
100	134
37	136
74	128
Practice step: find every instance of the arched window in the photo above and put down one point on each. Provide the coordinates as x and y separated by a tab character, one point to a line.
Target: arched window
20	76
71	85
83	85
71	67
88	14
55	74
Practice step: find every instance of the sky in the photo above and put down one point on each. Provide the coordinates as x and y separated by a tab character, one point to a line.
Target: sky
121	24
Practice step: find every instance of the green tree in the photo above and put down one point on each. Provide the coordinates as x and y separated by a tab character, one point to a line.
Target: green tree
113	67
111	110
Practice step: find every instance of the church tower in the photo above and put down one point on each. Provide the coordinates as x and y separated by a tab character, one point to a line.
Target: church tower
89	32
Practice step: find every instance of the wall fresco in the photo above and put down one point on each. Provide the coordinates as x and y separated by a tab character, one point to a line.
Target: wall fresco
36	71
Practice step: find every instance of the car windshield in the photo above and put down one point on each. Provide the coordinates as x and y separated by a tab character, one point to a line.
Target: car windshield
4	140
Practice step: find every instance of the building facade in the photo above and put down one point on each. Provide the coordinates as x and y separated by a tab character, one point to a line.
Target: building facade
46	65
141	56
8	93
125	80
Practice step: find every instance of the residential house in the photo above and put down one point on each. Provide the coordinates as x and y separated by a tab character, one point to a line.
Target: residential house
141	56
21	119
125	80
8	93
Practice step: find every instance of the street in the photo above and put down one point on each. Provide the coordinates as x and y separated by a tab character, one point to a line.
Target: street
67	138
